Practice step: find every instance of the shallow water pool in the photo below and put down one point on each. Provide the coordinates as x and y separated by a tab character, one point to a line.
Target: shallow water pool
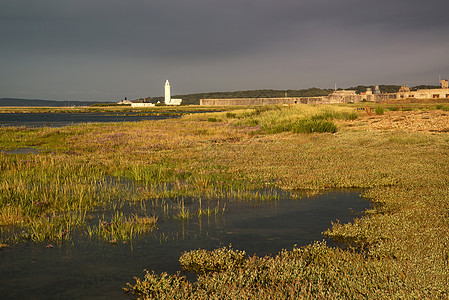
94	269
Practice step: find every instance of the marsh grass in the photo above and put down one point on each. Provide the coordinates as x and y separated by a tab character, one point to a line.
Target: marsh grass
400	246
211	211
302	119
121	228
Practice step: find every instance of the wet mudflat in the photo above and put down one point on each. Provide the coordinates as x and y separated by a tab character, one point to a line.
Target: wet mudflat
94	269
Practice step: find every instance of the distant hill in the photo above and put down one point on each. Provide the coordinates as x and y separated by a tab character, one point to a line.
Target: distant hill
38	102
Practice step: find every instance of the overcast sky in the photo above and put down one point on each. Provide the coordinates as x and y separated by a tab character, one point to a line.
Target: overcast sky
111	49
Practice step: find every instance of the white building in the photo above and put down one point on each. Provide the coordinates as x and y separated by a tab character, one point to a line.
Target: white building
168	99
137	105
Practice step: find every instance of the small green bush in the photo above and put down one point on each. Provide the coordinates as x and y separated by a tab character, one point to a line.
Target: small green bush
212	119
231	115
379	110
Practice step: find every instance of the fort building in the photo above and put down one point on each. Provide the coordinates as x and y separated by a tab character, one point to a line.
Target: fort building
340	96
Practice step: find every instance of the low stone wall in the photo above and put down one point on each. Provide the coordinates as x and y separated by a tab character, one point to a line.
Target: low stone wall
263	101
314	100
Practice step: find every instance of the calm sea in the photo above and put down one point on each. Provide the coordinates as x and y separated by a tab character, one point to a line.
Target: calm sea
65	119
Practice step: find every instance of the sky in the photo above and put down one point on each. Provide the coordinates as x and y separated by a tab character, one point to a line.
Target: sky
107	50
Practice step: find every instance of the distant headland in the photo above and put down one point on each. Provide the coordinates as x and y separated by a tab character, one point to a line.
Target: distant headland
39	102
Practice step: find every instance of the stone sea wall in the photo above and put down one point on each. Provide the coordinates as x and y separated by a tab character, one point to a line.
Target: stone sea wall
262	101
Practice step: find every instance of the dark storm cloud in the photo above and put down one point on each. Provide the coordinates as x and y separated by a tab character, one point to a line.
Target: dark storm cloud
316	36
197	28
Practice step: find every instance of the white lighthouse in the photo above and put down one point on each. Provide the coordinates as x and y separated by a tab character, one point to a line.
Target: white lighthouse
167	92
168	99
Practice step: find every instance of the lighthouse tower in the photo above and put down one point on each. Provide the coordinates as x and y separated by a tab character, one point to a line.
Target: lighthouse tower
167	92
168	99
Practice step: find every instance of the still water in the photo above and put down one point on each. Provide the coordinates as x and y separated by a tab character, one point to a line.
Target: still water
65	119
93	269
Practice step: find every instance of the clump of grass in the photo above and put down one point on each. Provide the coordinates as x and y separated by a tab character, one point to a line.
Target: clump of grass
122	228
231	115
183	214
209	211
311	126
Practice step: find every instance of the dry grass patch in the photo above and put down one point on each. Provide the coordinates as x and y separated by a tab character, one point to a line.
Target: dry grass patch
436	121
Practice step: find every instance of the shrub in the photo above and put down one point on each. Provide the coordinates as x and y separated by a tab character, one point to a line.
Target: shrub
231	115
202	261
379	110
212	119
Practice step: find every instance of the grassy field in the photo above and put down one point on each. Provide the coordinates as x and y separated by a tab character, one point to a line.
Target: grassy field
398	249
